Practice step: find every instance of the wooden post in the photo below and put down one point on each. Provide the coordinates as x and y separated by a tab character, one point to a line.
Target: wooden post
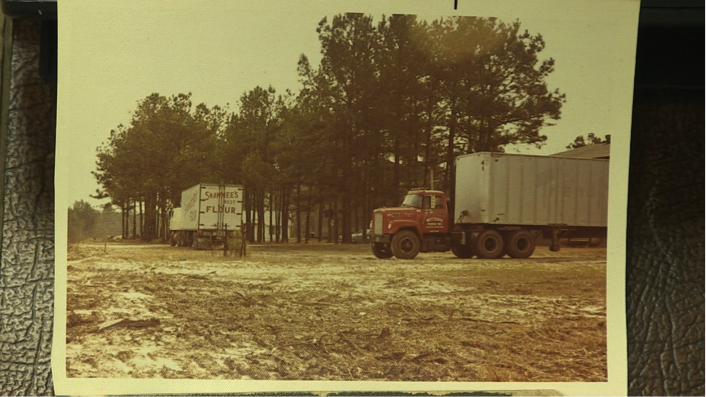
243	242
225	240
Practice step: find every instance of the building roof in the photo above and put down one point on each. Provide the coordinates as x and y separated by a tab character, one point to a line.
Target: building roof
597	151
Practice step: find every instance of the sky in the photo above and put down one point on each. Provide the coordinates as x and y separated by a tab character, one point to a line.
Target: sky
111	55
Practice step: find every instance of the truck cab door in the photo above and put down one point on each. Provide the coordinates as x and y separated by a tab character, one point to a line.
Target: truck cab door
435	214
421	213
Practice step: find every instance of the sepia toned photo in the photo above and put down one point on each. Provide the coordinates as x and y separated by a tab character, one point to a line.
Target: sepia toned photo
349	196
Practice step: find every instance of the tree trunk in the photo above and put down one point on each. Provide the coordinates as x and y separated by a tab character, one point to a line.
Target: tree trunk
308	217
356	219
156	225
248	216
346	204
451	143
142	223
123	220
396	169
335	221
278	217
321	219
165	224
285	216
298	213
270	230
261	216
134	219
329	222
150	217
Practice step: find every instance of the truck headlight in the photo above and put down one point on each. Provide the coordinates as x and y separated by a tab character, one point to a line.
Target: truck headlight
389	225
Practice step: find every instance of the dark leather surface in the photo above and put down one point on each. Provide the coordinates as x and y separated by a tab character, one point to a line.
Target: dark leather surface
27	266
665	240
665	244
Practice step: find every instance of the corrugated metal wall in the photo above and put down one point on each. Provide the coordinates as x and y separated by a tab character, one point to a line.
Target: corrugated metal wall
532	190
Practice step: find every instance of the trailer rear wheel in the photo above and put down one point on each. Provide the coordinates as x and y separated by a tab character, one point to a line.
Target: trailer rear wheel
462	251
519	244
489	245
405	245
380	252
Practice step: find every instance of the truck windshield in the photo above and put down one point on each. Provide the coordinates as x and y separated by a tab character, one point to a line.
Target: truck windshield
413	200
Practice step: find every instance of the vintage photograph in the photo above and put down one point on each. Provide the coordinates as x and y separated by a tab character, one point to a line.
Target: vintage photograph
340	193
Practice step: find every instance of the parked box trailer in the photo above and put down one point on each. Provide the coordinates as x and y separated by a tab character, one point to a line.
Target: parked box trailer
510	189
209	213
501	203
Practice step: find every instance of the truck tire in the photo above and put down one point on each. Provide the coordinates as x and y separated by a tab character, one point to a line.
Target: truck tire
489	245
380	252
405	245
519	244
462	251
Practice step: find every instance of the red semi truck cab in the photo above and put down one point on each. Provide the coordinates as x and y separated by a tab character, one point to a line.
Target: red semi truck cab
420	224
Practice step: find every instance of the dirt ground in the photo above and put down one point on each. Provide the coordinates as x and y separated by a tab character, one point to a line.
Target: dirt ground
334	312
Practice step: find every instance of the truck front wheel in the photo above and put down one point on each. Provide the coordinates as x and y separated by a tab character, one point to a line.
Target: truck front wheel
405	245
489	245
380	252
520	244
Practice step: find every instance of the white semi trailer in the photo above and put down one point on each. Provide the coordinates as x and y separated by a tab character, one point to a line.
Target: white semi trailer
209	214
501	204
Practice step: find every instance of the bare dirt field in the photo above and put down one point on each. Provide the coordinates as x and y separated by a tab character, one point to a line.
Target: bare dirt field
334	312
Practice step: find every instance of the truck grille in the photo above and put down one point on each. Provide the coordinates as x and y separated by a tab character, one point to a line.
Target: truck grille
377	224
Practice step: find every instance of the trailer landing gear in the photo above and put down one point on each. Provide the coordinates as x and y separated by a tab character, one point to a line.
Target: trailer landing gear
555	246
